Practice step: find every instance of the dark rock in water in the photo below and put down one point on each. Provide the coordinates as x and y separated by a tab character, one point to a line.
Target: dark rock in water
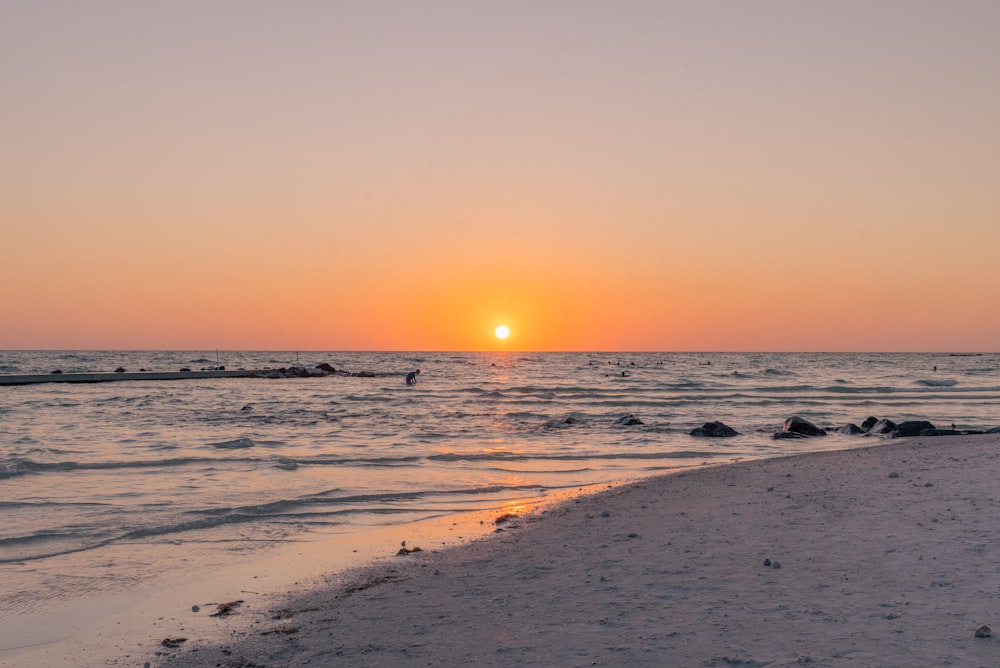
798	425
628	420
913	427
788	434
120	370
714	430
364	374
851	430
883	427
940	432
993	430
57	371
184	369
326	367
869	423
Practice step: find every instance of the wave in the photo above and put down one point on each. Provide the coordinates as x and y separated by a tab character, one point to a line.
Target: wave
515	456
284	510
937	383
14	467
236	444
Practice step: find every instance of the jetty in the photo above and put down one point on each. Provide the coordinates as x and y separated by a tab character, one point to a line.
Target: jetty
32	379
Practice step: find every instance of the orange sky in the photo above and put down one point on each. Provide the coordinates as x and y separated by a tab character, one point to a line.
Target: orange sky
407	176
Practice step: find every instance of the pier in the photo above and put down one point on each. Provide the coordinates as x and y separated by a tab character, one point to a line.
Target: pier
33	379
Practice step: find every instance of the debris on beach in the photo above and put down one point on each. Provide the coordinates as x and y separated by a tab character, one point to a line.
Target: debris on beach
505	517
224	609
173	643
284	630
408	550
984	632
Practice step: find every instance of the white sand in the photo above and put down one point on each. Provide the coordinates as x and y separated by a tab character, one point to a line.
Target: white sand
888	555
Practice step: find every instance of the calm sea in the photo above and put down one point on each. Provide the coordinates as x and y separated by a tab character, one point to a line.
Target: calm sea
226	467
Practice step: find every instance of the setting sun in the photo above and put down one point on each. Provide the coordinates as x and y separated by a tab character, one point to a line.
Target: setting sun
502	332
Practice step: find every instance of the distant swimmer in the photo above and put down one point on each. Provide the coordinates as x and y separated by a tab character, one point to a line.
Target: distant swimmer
411	378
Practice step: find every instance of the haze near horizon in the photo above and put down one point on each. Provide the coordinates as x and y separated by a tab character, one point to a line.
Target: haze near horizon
388	175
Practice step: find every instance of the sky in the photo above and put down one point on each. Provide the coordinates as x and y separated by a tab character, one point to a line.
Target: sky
596	175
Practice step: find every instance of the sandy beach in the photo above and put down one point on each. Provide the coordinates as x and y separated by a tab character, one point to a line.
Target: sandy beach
882	556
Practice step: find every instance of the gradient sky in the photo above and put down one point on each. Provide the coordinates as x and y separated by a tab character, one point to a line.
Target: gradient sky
376	175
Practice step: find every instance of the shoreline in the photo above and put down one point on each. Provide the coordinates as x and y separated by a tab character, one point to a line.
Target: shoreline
884	555
120	629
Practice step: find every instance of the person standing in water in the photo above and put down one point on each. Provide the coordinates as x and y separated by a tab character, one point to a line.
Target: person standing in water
411	378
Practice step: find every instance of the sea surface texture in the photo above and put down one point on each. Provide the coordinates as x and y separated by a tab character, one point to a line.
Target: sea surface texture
106	486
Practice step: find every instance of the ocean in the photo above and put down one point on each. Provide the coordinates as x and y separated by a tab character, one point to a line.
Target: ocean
109	488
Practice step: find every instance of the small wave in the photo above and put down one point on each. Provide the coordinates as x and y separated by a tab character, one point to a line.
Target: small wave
514	456
16	466
541	471
236	444
779	372
841	389
938	383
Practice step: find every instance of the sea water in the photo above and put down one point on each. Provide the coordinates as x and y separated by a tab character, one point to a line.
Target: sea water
109	487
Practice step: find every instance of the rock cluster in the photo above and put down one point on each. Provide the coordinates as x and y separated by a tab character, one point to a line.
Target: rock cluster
317	371
796	427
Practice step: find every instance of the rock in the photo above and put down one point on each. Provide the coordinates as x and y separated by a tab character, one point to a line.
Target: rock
326	367
120	370
364	374
628	420
798	425
913	427
767	562
869	423
940	432
993	430
882	427
851	430
714	430
788	434
894	474
984	632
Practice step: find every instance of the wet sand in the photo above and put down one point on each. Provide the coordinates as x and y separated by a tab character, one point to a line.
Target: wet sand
881	556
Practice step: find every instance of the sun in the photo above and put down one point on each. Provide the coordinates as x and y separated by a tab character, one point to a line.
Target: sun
502	332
